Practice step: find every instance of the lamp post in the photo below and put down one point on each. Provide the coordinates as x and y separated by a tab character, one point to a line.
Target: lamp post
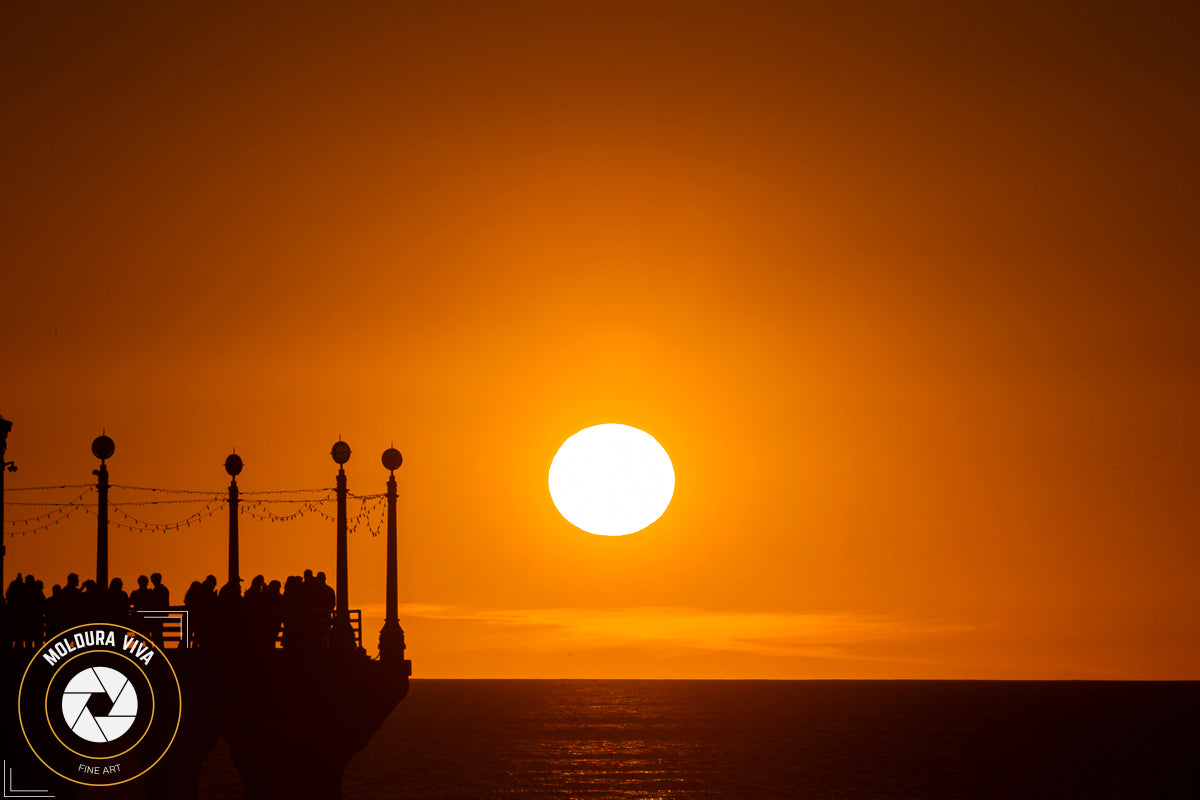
391	636
343	631
102	448
5	466
233	466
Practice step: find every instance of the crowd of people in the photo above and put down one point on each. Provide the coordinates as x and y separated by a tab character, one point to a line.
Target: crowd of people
301	608
296	613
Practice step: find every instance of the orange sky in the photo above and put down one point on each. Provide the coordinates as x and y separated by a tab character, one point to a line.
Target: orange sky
908	294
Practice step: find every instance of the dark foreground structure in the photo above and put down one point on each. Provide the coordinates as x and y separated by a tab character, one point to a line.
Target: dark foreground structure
292	723
292	720
294	705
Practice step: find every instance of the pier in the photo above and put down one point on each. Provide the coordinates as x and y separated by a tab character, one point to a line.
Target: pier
279	671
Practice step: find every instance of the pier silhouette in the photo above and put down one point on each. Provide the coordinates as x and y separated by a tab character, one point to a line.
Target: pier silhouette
277	669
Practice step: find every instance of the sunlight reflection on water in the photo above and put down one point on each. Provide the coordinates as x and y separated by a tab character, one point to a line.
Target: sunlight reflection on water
454	740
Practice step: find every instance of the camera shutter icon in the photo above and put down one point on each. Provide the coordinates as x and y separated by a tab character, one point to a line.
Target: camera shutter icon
99	704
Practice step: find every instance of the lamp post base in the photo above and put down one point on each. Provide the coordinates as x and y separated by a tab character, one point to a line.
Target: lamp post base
391	645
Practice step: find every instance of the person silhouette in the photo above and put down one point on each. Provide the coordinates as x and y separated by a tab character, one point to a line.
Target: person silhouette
142	597
26	606
207	613
272	614
14	589
117	602
161	601
193	601
55	616
316	625
37	615
14	609
293	612
162	595
229	624
309	589
326	596
92	602
252	609
143	600
325	600
72	602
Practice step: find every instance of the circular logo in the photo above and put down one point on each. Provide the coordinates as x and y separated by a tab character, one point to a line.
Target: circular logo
99	704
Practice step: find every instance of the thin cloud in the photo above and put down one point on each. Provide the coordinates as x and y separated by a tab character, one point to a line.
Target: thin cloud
761	633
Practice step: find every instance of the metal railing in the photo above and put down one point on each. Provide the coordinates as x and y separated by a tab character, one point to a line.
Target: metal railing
175	627
312	628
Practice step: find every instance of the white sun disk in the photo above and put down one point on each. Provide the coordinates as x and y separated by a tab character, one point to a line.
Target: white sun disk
611	479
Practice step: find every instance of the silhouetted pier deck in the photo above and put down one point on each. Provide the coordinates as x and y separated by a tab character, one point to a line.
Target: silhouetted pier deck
175	621
292	714
284	678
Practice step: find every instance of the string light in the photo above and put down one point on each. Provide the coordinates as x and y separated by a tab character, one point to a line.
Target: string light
47	488
56	510
50	524
153	489
255	504
142	525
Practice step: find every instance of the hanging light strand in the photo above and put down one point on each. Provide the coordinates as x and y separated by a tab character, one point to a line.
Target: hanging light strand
261	505
46	488
134	523
57	507
51	523
258	510
158	490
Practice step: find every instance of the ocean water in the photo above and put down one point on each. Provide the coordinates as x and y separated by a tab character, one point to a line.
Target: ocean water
826	740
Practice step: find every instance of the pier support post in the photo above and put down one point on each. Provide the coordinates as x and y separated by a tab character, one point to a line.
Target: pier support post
391	637
5	466
343	632
233	466
102	448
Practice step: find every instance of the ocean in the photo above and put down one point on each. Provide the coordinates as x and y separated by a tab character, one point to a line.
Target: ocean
825	740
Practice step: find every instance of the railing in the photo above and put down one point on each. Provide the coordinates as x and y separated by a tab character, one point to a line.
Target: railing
175	626
313	627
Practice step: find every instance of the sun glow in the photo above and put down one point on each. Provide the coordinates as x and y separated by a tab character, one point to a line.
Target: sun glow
611	480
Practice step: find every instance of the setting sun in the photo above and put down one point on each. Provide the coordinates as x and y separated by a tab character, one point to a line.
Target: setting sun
611	480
